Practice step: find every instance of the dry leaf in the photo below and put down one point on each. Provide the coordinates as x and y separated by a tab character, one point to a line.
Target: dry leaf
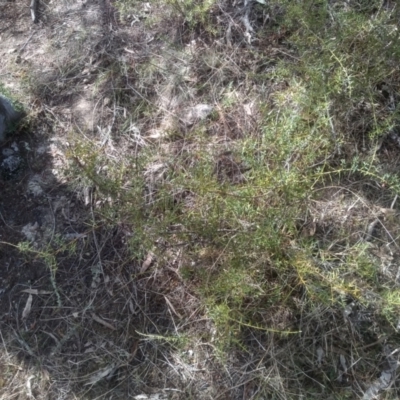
388	211
131	307
89	350
155	396
29	386
28	307
172	307
320	355
309	230
99	375
386	378
343	362
313	228
147	262
102	322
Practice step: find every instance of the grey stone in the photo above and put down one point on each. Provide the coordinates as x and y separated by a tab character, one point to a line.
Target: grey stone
11	164
9	117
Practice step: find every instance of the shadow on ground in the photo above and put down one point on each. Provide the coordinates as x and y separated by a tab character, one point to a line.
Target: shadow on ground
76	315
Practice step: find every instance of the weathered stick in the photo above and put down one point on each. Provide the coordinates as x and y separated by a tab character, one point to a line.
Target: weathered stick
34	4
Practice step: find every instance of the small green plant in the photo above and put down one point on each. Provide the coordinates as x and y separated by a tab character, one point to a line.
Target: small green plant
391	306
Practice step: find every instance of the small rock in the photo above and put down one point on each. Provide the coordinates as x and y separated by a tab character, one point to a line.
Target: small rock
9	117
30	231
7	152
34	186
10	166
15	147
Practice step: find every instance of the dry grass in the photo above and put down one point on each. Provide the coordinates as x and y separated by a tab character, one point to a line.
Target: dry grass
249	252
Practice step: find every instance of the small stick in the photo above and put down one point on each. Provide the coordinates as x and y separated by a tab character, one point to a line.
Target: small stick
33	8
24	45
394	201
